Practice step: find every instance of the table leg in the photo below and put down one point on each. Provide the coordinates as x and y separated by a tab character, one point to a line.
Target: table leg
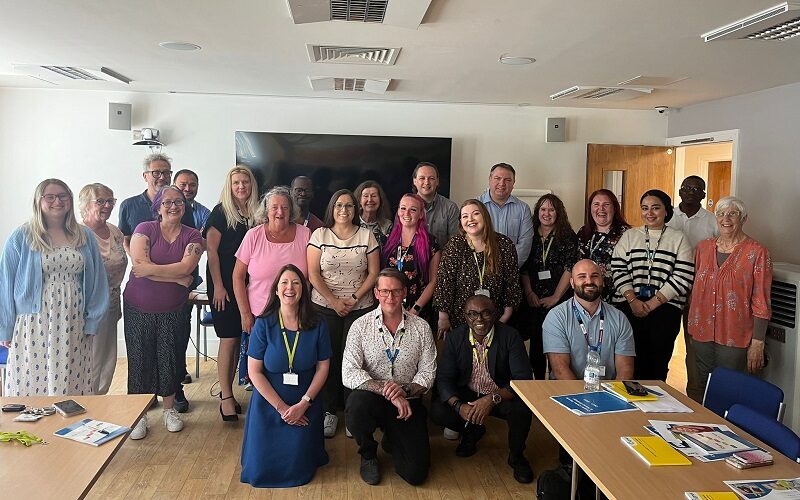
573	489
197	343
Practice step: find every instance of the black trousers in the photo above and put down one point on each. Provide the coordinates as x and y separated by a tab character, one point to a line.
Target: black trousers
654	336
408	439
534	326
514	412
338	326
182	343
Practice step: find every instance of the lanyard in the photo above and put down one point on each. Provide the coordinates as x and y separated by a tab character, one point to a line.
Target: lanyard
546	252
289	352
481	271
401	255
308	215
391	355
585	331
651	255
476	355
593	247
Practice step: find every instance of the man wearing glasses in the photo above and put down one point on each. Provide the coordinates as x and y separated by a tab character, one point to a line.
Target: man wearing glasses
389	362
474	380
698	224
302	194
157	174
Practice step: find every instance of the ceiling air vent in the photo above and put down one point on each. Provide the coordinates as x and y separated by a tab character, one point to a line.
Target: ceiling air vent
352	55
601	93
57	74
337	84
404	13
780	22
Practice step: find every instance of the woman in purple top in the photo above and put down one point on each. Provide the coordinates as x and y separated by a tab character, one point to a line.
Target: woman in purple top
164	253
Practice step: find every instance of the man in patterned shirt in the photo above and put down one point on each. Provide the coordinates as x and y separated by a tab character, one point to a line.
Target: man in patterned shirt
474	380
389	361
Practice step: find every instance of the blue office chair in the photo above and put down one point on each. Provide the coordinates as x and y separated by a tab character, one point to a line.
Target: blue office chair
766	429
3	360
727	387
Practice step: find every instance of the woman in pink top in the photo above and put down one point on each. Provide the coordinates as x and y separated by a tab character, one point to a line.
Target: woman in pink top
730	304
265	249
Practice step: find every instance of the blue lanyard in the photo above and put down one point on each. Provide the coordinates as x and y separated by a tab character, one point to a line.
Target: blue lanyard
391	355
585	331
401	255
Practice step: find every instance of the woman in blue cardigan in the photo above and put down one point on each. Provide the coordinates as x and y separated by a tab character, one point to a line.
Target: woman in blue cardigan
53	293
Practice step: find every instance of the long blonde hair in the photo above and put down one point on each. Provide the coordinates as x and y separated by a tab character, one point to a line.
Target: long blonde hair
36	229
229	207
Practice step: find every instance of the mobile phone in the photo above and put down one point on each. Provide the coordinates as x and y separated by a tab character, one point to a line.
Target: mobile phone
13	407
634	388
69	408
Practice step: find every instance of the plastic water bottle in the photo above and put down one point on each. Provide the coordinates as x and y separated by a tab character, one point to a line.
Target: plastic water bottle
591	375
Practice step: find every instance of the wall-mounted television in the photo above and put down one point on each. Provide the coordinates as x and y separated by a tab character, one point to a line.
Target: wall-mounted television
335	162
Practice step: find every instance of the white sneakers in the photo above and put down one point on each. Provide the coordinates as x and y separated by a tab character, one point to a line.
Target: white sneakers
330	425
140	429
450	434
172	420
347	433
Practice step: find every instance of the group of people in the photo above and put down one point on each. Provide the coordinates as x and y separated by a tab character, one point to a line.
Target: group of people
461	287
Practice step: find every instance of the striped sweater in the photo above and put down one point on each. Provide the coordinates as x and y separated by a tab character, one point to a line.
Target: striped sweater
672	272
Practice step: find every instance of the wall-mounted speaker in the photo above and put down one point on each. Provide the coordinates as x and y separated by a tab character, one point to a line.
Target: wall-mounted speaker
556	130
119	116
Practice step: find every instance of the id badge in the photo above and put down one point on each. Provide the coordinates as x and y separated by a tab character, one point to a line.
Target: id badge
544	275
291	379
482	291
602	370
647	292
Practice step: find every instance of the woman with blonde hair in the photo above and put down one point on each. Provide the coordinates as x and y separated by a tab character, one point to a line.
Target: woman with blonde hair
95	203
477	261
53	294
224	231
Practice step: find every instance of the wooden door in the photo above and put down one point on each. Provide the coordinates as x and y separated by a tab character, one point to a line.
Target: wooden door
719	182
643	167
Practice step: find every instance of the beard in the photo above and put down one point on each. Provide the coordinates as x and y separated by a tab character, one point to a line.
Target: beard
590	296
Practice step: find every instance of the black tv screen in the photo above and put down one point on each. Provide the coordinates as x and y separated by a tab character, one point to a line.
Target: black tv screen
336	162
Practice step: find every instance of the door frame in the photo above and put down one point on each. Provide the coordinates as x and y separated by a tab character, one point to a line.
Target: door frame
731	136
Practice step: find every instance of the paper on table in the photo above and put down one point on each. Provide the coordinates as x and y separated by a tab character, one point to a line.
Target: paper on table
665	404
767	488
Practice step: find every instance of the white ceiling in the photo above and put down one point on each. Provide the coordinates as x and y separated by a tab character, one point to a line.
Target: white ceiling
253	47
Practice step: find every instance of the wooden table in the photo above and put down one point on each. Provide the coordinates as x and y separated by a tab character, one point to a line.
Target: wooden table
594	442
199	300
63	468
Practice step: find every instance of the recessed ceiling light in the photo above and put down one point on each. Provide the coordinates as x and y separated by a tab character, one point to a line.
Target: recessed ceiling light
179	45
516	60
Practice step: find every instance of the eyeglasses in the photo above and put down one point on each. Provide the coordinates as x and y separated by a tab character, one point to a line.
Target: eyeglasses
51	198
303	190
157	174
347	207
397	292
100	202
733	214
169	203
691	189
485	314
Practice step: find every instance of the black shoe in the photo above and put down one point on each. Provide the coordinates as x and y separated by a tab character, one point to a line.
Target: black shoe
238	408
181	404
469	440
522	469
187	379
227	418
370	471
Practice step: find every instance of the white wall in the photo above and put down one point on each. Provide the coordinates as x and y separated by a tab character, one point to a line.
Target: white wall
60	133
768	177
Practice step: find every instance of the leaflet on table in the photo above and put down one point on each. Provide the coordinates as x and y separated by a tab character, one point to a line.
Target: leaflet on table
767	488
710	495
690	451
706	442
592	403
654	450
93	432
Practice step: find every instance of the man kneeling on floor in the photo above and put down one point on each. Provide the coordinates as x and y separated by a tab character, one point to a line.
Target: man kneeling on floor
474	380
389	361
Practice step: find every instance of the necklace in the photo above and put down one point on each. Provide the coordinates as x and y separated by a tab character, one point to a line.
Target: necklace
728	246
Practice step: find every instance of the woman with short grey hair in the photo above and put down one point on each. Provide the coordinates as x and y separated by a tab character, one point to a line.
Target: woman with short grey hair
730	304
95	203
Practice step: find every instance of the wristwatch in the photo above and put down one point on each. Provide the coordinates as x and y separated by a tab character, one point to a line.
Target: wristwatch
496	398
417	307
407	389
307	399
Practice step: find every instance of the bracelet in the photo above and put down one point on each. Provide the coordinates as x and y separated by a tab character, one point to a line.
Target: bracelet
455	403
658	298
457	407
417	307
307	398
354	297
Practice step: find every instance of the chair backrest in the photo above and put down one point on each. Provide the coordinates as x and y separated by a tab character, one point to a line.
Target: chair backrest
3	355
727	387
766	429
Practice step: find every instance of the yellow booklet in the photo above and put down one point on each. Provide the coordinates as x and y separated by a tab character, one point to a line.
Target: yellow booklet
618	389
711	495
655	451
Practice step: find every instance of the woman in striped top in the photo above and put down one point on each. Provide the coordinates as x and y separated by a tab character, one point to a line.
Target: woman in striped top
653	268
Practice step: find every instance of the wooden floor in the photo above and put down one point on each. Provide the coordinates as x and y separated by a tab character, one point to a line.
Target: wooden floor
202	461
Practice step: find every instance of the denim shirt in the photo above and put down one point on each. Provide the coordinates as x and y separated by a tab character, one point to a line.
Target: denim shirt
21	281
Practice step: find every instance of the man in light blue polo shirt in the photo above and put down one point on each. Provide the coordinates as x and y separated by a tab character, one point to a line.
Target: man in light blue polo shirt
510	215
573	326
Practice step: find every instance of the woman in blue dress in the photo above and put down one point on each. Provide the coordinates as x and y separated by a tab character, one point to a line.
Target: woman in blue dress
288	360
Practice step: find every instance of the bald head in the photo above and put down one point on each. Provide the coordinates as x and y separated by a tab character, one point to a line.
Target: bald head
587	280
586	266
